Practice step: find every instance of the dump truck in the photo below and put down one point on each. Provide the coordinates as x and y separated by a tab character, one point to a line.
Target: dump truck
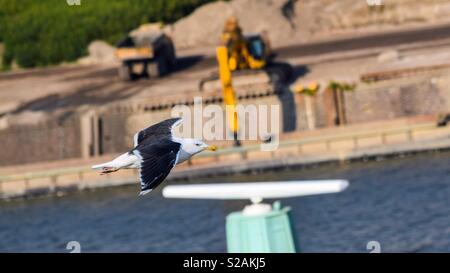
146	51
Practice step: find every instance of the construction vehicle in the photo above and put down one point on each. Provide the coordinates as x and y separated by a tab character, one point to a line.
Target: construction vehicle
146	51
249	54
244	52
243	55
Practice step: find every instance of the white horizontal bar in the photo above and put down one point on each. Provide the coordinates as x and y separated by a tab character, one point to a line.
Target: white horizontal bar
281	189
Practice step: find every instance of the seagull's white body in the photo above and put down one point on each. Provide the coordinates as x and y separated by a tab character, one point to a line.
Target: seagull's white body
156	151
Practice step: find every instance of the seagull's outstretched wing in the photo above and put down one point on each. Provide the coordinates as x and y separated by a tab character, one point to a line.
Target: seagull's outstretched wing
157	160
156	131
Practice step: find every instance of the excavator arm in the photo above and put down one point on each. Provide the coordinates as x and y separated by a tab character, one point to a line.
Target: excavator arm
229	96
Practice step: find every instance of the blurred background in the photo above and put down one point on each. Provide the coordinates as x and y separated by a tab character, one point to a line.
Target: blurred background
363	90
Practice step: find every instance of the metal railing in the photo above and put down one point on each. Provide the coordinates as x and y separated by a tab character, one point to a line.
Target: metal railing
355	136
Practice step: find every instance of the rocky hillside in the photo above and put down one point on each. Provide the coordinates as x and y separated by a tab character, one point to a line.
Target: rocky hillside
288	21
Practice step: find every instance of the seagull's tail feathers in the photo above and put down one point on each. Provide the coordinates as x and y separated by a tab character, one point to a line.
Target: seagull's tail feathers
123	161
144	192
104	165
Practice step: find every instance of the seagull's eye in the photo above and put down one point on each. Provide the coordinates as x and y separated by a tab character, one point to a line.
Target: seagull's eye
197	144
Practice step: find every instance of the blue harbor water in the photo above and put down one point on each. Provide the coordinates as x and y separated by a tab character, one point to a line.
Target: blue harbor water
402	203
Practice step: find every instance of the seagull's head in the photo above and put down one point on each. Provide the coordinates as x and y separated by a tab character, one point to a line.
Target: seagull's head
196	146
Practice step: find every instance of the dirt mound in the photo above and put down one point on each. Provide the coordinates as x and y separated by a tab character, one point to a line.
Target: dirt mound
99	52
289	21
204	25
355	14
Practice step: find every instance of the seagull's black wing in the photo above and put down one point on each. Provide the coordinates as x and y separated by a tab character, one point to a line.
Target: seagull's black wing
157	160
156	132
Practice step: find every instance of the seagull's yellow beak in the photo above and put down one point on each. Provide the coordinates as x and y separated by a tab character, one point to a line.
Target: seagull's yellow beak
211	148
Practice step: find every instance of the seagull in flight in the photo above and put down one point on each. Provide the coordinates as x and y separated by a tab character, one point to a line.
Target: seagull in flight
156	151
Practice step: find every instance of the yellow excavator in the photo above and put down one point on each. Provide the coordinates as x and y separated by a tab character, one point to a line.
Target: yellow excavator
244	54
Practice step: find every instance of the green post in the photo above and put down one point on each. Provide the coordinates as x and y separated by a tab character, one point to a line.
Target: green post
266	231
